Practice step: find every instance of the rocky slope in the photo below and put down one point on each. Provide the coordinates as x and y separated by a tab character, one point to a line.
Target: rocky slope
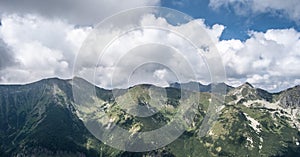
42	119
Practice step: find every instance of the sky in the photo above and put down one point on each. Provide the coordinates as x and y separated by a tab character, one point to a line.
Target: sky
258	40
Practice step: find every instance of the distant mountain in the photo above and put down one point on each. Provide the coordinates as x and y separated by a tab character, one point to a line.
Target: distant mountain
200	87
290	98
247	92
42	119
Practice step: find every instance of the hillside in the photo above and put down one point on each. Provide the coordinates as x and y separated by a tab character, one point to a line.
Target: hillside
45	119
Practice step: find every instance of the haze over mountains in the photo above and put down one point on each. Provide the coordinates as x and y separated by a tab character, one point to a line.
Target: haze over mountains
42	119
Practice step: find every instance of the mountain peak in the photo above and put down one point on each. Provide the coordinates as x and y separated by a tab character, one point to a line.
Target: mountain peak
144	86
247	84
29	112
290	97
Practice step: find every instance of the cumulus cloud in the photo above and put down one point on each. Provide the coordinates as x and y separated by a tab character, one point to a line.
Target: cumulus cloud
291	8
47	48
6	55
41	47
269	60
80	12
34	47
159	46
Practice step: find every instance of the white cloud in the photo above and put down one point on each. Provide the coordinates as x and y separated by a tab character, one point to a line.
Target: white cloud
291	8
47	47
162	47
41	47
269	60
6	58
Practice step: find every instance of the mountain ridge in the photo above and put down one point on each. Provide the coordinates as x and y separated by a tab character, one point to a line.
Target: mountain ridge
41	119
173	84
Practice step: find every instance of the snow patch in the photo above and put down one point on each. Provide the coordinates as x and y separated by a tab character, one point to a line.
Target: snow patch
293	114
250	140
261	140
253	123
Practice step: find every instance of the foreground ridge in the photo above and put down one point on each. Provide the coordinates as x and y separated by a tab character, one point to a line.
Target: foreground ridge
41	119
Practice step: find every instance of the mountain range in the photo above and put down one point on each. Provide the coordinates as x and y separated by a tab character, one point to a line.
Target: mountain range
42	119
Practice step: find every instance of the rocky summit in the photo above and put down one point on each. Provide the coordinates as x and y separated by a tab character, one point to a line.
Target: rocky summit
42	119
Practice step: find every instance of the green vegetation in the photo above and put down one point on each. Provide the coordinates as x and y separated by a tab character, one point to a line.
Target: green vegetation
40	119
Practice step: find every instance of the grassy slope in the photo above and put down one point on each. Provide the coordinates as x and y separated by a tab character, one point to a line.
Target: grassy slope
34	120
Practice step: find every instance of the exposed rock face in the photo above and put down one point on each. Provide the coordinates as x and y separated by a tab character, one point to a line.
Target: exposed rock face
193	86
247	92
290	98
41	119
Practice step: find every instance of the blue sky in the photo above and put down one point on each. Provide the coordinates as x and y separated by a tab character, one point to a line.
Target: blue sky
237	26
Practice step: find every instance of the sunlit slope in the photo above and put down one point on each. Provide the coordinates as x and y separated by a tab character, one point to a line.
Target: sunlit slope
42	118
